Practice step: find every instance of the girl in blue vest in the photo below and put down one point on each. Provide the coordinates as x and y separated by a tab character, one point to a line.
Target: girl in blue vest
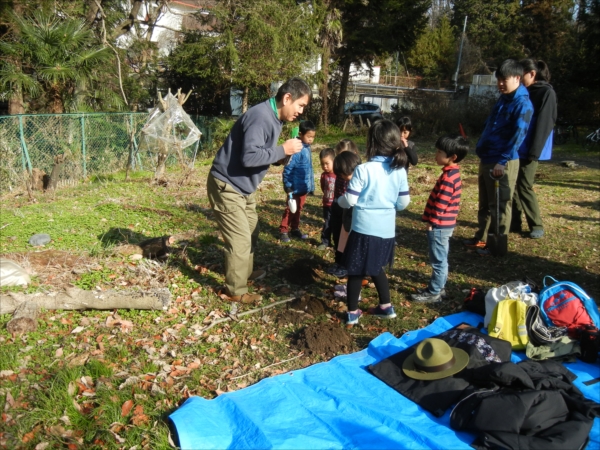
377	190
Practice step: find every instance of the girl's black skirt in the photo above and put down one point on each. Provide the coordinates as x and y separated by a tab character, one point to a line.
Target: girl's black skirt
366	255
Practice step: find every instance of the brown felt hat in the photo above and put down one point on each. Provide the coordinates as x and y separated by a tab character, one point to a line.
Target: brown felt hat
434	359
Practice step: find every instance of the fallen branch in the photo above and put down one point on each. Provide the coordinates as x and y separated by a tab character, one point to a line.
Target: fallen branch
270	365
75	298
245	313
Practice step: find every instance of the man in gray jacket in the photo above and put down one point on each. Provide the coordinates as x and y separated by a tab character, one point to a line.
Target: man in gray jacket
237	170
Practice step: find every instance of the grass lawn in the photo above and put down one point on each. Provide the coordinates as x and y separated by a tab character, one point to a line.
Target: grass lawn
108	379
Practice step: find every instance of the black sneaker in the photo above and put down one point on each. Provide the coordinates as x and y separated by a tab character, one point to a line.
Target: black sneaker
442	292
298	234
426	297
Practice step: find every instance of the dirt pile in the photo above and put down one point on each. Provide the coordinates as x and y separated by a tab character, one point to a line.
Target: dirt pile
327	339
300	310
309	304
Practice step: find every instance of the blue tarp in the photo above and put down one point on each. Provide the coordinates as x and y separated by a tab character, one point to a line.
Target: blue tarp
337	404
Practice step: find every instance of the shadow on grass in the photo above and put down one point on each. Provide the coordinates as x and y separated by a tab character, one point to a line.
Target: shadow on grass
572	184
592	205
577	218
203	261
467	267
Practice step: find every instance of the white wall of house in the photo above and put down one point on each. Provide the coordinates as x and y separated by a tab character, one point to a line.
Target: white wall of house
361	74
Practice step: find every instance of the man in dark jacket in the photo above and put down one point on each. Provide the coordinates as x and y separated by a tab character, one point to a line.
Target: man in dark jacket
537	146
238	168
497	149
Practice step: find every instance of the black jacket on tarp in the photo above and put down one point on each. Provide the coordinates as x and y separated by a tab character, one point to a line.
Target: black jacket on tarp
531	405
438	395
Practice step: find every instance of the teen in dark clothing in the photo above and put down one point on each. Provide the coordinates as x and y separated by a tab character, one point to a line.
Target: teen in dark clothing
536	147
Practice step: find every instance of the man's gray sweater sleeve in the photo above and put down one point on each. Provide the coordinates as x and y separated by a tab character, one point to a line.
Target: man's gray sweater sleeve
259	149
250	148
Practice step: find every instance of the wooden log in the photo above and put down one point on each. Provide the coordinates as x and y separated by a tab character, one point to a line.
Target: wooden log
78	299
24	318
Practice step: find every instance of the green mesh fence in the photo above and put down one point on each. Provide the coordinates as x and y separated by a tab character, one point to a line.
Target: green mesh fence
93	143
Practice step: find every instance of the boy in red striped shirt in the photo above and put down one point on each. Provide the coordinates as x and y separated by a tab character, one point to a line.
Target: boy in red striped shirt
440	214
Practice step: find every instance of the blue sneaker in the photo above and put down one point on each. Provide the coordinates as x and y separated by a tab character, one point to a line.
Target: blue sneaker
332	268
537	234
339	272
353	317
285	237
387	313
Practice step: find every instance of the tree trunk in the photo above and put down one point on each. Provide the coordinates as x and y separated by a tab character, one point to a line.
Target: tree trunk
163	151
15	103
325	86
56	103
343	88
59	163
24	319
161	162
245	100
39	179
78	299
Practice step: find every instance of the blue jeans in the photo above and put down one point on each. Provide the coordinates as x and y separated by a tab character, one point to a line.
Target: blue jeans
439	245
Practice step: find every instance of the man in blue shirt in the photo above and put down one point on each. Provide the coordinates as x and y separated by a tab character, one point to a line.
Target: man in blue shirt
497	148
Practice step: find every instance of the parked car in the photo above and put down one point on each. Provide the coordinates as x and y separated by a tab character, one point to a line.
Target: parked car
365	111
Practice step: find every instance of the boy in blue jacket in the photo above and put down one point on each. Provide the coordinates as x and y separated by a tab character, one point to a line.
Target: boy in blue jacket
299	180
498	151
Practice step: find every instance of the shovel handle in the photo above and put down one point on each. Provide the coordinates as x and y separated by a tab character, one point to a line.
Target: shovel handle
496	179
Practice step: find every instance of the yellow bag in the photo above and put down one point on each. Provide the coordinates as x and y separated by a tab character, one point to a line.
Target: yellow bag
509	323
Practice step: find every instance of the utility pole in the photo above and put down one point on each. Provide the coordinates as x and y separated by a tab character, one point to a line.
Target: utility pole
462	41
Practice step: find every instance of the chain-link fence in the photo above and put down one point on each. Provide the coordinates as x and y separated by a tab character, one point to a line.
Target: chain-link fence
92	143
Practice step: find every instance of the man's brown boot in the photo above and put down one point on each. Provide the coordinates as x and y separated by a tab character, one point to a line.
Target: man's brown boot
246	298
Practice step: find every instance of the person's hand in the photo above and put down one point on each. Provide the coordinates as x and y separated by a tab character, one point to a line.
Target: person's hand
428	227
498	171
288	189
292	146
404	142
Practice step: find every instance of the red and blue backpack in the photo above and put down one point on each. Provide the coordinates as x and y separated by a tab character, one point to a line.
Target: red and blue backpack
564	304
